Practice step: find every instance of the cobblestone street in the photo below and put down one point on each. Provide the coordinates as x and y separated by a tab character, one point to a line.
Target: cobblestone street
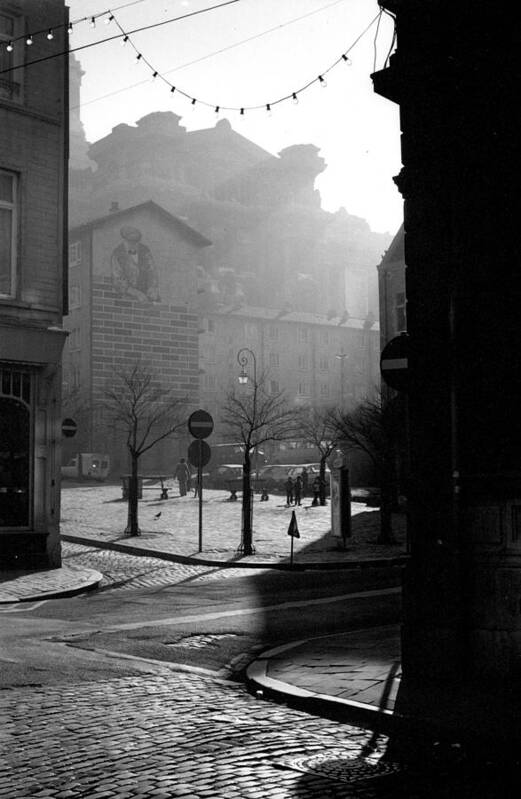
181	735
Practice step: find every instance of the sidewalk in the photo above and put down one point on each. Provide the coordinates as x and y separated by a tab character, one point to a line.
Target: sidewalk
355	674
25	586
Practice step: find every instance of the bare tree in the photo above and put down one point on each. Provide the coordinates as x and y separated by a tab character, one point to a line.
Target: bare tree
316	426
254	418
147	413
373	427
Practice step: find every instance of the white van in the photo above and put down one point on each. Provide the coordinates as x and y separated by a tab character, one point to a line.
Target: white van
87	466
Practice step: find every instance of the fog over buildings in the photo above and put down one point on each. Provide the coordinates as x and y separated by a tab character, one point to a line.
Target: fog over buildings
243	254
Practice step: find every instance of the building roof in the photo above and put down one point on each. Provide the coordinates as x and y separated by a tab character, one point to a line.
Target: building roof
184	229
252	313
396	252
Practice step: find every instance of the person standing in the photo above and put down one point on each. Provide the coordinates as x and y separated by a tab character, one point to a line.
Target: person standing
182	473
289	491
316	491
305	481
298	489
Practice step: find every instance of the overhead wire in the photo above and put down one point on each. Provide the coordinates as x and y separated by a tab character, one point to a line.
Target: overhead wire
118	35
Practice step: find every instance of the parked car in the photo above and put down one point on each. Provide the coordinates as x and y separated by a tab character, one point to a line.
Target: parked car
274	476
313	470
223	474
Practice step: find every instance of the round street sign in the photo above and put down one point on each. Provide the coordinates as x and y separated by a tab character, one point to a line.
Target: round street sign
200	424
199	453
394	362
69	428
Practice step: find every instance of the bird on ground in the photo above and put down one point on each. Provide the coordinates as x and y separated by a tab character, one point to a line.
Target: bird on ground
157	515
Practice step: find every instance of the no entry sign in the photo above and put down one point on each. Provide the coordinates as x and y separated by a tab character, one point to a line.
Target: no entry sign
69	428
394	362
200	424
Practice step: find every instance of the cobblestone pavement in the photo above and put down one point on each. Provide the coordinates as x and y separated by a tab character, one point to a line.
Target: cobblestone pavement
179	735
122	572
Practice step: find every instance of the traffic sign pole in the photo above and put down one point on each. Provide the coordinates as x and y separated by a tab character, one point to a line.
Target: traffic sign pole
200	484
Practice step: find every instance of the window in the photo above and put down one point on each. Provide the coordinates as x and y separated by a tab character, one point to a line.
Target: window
399	311
10	30
74	297
324	336
211	325
323	363
75	253
8	228
250	329
273	332
303	362
274	359
274	387
303	335
324	390
74	339
209	382
303	389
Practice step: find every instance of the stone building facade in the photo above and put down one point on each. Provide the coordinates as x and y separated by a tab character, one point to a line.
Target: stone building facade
317	361
133	290
33	229
391	290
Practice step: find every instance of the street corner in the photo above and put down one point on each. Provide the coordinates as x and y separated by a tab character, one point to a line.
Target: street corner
47	584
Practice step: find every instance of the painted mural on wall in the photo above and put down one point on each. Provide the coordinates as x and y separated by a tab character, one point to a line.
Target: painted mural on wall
134	272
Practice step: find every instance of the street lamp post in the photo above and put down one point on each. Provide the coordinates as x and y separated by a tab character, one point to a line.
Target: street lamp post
341	357
246	546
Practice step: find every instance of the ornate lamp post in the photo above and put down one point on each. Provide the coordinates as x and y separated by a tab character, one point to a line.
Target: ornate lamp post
246	546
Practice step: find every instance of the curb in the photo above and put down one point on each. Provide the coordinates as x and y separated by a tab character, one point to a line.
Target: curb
346	710
399	560
91	581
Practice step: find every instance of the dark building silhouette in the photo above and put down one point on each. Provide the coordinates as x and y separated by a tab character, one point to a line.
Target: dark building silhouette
454	74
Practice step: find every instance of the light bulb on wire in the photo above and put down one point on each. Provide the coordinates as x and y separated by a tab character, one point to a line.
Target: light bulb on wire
50	35
29	40
322	81
294	98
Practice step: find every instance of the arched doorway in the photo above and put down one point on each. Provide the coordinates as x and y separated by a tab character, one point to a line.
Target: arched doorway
15	452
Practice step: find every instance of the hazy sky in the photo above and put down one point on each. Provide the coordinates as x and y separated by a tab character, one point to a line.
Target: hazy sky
357	131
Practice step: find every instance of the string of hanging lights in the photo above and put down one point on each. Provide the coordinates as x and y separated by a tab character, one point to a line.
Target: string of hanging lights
320	79
123	35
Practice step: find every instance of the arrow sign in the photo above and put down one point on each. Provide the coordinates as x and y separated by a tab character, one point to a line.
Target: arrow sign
293	526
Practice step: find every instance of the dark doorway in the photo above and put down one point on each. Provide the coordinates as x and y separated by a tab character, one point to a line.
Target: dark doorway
15	444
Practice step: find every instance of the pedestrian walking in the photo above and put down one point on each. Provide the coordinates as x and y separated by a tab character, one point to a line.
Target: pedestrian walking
298	489
315	487
305	481
289	491
182	473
